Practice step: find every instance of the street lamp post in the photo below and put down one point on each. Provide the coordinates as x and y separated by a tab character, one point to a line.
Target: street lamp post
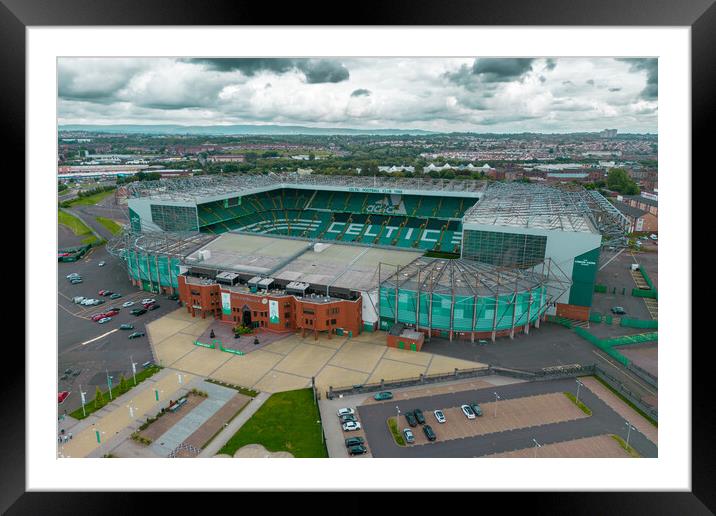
629	429
109	383
134	370
82	398
497	397
537	445
579	384
397	419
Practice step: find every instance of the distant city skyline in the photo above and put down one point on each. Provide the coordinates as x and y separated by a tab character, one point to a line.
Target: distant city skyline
480	95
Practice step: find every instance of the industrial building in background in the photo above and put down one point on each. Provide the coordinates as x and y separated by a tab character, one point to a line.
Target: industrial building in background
286	252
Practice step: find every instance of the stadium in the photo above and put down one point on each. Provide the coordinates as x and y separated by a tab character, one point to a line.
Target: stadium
346	254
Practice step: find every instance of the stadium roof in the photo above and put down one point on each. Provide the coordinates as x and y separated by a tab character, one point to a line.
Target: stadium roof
527	205
200	188
461	277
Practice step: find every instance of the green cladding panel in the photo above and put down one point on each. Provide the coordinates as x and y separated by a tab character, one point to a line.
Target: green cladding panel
135	221
153	270
584	275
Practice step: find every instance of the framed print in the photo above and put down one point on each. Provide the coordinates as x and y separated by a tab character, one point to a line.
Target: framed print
429	235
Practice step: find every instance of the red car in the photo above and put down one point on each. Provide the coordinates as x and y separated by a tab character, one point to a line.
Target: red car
97	317
62	396
147	305
111	313
101	292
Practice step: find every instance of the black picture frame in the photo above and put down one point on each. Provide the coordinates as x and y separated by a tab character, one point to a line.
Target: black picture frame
700	15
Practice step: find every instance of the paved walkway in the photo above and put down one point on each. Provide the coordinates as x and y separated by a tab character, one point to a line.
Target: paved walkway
115	419
191	422
615	403
220	440
601	446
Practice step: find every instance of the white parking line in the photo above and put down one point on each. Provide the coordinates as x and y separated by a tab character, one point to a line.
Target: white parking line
97	338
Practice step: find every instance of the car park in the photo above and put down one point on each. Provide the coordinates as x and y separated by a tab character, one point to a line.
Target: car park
429	433
419	417
104	320
439	416
358	449
469	414
62	396
476	409
411	419
127	304
353	441
351	426
115	296
126	326
618	310
345	411
138	311
137	334
385	395
408	434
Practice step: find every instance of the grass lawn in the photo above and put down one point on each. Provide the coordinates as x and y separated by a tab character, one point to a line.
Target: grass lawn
631	451
111	225
91	406
287	421
76	225
625	400
91	199
397	436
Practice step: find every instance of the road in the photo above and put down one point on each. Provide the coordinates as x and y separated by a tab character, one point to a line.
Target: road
603	420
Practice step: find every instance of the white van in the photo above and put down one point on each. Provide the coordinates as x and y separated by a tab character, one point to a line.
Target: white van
78	299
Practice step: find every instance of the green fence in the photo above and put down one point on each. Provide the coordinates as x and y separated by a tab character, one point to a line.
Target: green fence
639	323
637	292
595	317
646	277
210	346
607	345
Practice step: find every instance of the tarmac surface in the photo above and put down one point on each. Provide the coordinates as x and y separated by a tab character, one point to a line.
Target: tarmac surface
94	348
604	420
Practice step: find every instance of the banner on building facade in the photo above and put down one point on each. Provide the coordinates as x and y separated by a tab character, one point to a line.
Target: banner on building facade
226	303
273	312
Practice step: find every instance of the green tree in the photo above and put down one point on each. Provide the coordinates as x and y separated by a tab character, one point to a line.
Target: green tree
122	384
98	398
618	180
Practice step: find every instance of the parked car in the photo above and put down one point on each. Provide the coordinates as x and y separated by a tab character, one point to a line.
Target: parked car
440	416
101	292
618	310
357	450
101	264
348	417
107	293
429	433
476	409
173	297
104	320
98	302
78	299
148	301
87	301
419	416
353	441
138	311
62	396
411	419
345	411
126	326
112	313
153	306
408	434
351	425
383	396
97	317
137	334
72	275
654	236
469	414
127	304
115	296
76	281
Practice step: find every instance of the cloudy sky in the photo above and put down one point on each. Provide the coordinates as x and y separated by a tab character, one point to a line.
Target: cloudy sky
439	94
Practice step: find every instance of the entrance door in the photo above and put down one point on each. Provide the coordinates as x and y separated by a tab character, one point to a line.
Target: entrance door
246	319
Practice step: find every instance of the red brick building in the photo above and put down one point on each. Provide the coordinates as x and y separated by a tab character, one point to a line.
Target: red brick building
271	310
